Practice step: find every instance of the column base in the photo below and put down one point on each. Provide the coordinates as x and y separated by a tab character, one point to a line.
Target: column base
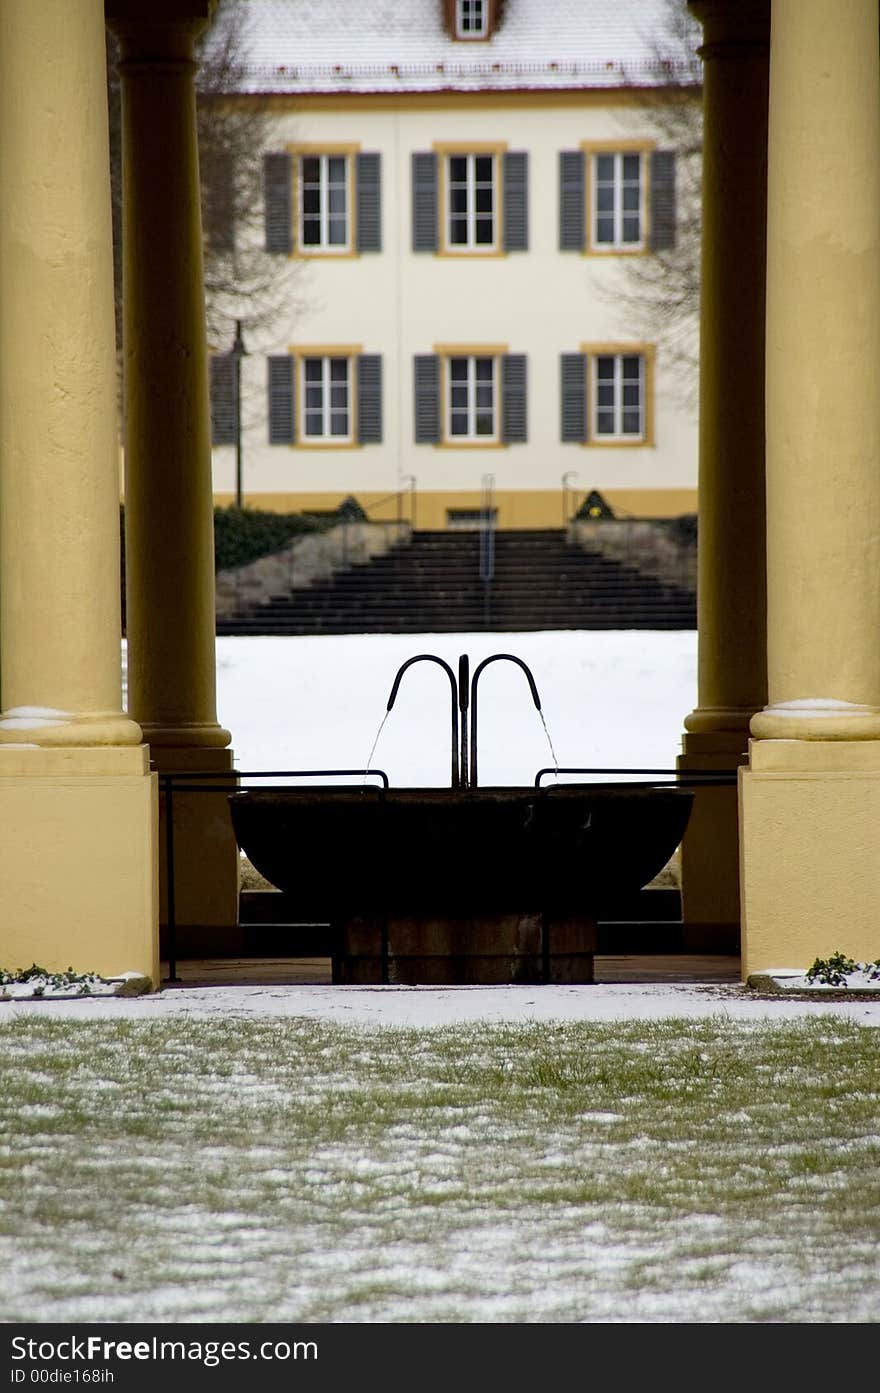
207	864
185	740
820	719
47	727
78	860
710	895
810	852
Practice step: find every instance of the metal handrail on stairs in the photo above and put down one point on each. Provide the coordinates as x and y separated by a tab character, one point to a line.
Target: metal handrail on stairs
487	543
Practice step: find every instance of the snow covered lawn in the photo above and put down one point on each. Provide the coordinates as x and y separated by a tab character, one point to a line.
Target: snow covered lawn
260	1169
610	1153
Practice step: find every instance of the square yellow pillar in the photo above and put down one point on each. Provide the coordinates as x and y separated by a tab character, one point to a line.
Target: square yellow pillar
809	852
78	862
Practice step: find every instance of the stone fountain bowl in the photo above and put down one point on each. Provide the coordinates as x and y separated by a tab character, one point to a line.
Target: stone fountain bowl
565	849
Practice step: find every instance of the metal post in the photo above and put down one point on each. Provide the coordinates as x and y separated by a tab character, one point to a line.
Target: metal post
171	909
238	352
487	544
411	480
569	474
464	687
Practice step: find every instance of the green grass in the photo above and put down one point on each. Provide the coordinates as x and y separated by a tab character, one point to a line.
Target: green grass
257	1170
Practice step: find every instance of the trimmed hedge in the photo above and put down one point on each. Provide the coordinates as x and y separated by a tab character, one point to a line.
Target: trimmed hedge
242	535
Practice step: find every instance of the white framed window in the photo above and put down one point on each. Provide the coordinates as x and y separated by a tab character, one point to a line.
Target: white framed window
471	19
618	407
326	399
617	217
324	215
471	202
472	398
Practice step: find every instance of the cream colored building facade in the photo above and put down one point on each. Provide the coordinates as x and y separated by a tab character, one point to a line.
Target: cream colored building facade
789	481
409	88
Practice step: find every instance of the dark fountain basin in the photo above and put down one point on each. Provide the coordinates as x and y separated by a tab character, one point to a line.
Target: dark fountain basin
565	849
460	884
479	884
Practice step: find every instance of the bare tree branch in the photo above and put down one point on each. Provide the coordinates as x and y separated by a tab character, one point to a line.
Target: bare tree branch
663	289
242	281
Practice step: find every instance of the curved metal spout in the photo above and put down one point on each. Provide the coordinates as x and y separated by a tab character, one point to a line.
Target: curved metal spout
432	658
496	657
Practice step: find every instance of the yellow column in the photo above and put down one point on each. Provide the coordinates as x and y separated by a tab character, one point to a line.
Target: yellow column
732	664
168	486
59	526
811	798
77	803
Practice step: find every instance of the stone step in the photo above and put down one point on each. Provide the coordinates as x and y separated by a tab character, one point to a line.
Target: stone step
431	584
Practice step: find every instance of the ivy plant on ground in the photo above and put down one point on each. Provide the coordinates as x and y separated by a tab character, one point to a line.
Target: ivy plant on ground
834	971
78	983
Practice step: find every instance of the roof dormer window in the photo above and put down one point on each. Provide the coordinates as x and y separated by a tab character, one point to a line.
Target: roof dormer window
471	19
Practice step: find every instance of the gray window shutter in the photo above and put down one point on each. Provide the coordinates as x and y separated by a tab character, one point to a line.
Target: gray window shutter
572	201
427	398
574	397
368	179
513	398
516	202
662	200
276	197
282	417
222	399
424	202
369	399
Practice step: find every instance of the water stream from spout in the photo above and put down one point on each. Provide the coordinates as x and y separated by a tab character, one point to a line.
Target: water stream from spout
553	754
375	743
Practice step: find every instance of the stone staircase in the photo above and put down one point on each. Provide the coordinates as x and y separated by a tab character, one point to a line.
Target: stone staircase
430	583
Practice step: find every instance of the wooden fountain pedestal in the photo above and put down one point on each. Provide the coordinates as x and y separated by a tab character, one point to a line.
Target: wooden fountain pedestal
409	950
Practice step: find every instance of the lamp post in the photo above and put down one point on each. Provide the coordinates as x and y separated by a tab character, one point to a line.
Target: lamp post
238	352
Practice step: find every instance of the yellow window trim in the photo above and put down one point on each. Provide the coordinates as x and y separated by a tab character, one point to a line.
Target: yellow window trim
616	147
487	100
296	150
445	148
324	350
648	351
470	350
449	444
323	147
470	147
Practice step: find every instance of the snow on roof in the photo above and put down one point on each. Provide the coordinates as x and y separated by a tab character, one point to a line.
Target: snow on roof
313	46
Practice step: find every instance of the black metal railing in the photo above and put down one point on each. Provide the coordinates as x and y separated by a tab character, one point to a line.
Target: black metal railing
397	498
699	778
236	781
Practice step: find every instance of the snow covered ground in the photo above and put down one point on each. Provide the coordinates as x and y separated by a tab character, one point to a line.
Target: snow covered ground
433	1007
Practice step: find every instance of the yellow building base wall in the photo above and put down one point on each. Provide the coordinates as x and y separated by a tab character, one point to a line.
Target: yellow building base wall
516	508
78	860
810	852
